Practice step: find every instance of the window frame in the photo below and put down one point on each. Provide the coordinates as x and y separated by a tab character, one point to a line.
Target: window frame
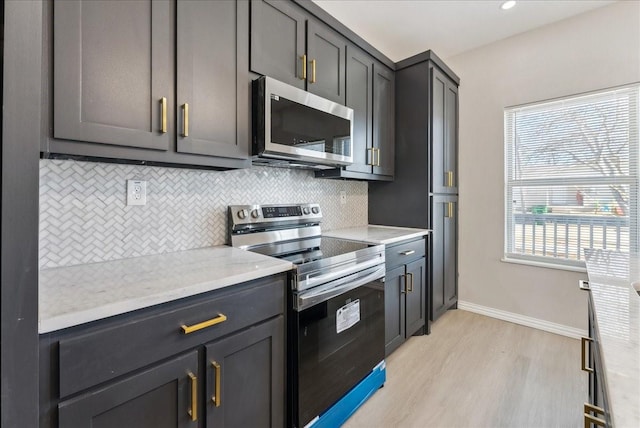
632	180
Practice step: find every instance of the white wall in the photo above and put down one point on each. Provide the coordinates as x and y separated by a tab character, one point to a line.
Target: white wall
595	50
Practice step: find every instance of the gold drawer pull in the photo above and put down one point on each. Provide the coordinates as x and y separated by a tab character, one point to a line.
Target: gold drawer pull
590	419
163	124
217	399
583	341
193	411
213	321
407	252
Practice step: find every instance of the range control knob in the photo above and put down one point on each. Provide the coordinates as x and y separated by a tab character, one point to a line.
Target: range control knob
255	213
305	210
243	214
315	210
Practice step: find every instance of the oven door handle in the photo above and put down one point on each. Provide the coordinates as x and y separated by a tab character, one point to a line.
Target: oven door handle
335	288
313	281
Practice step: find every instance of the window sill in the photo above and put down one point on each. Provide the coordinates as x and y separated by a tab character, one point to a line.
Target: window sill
544	265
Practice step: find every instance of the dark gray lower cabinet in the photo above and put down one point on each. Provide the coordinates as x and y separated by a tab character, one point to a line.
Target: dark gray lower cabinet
444	287
169	366
405	292
245	378
159	397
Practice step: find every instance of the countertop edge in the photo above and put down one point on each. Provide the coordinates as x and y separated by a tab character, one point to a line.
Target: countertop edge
352	234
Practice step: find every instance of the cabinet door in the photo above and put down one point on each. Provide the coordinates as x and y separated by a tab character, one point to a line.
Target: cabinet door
394	309
444	287
245	378
383	120
159	397
415	296
278	41
444	133
113	65
326	54
360	99
213	83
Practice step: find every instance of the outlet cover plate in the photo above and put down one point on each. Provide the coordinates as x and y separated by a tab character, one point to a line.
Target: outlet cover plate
136	192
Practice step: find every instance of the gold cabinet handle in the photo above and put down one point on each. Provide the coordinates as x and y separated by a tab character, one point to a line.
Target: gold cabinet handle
403	290
216	398
163	119
407	252
410	289
449	212
373	154
185	120
583	341
378	160
193	411
448	178
186	329
313	71
304	67
590	419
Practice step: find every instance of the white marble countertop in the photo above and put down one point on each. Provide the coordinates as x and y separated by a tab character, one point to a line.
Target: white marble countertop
374	234
74	295
617	313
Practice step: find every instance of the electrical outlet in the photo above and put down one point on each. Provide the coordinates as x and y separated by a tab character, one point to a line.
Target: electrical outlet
136	192
343	197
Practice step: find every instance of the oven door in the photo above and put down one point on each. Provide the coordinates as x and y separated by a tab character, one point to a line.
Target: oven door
335	344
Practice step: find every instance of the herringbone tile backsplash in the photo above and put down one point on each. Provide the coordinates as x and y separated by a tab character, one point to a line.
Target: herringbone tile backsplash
84	217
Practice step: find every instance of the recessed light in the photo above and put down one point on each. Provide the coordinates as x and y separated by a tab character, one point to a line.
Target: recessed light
508	5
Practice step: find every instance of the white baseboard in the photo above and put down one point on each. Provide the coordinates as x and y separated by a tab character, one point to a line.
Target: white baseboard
551	327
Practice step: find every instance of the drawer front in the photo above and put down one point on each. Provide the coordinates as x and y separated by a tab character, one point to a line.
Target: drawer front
103	354
404	252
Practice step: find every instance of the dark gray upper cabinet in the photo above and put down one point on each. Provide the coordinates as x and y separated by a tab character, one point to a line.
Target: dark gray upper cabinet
292	47
371	95
444	261
278	41
113	66
444	136
213	78
383	120
118	66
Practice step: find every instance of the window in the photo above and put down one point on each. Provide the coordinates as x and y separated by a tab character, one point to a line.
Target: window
572	176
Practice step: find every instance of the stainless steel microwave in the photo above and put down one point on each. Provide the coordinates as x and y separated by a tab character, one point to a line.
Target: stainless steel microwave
292	127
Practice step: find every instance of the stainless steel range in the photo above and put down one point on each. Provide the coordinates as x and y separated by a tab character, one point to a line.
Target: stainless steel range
336	309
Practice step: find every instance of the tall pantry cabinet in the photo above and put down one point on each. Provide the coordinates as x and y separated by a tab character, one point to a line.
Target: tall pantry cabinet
424	193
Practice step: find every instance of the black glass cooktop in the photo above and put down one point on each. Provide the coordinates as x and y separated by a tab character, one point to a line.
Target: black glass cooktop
309	250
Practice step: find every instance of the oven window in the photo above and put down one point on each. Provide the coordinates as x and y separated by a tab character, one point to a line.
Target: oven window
297	125
331	363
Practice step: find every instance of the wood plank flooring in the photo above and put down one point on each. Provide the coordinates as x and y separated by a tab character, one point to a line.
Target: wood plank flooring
476	371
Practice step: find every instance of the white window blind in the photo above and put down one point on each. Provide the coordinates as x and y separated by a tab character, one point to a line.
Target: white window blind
572	176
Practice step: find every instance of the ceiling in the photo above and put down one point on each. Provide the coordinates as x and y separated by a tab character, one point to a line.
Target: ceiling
402	28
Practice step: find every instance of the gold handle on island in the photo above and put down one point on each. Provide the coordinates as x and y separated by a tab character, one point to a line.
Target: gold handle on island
216	392
407	252
163	120
193	411
583	341
410	288
313	71
591	419
186	329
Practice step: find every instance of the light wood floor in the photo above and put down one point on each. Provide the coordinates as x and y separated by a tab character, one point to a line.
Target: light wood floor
476	371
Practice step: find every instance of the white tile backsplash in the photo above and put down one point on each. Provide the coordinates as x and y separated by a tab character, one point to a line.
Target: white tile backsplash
84	217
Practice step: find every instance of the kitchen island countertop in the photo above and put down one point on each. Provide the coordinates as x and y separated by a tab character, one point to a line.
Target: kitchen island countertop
617	318
74	295
375	234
